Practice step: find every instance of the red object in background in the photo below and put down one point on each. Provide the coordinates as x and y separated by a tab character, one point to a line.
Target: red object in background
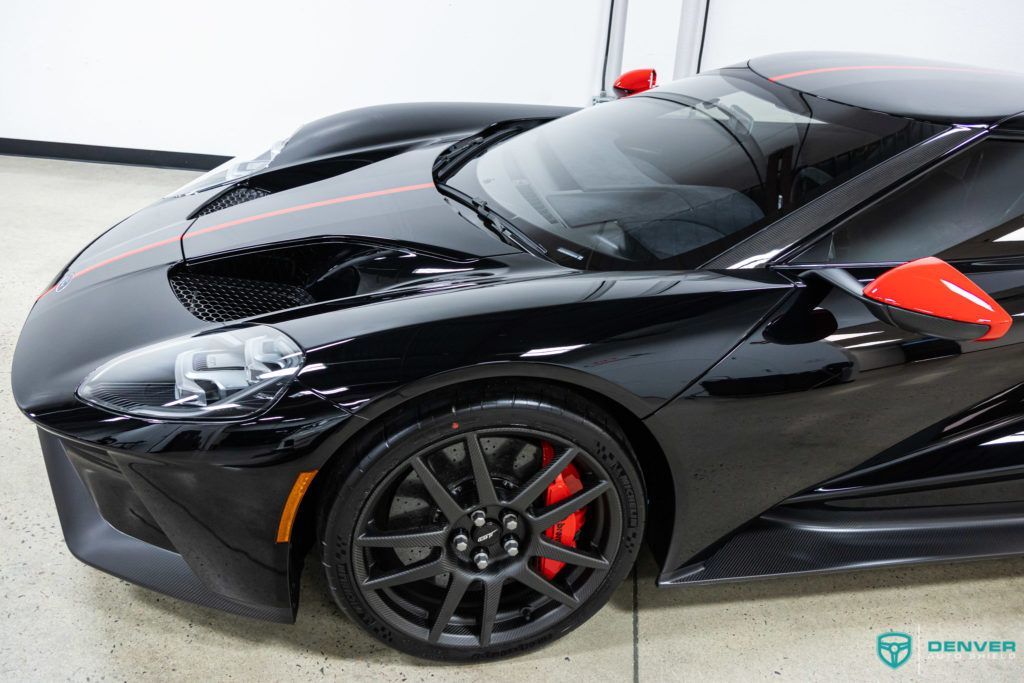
933	287
637	80
565	532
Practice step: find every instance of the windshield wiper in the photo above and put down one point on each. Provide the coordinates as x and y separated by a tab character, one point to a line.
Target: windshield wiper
462	151
490	220
505	229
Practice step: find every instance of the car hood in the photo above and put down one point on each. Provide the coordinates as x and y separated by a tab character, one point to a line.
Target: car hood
393	200
116	294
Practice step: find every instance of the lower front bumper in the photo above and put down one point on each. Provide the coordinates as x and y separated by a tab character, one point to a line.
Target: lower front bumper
94	541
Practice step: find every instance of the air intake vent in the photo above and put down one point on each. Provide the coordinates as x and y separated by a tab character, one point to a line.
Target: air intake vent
270	279
220	299
233	197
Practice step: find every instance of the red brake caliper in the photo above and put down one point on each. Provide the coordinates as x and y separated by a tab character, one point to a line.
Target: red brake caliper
565	532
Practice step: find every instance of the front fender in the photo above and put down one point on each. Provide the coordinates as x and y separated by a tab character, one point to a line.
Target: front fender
643	337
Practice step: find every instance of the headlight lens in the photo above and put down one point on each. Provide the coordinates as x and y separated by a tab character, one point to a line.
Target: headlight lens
229	374
231	170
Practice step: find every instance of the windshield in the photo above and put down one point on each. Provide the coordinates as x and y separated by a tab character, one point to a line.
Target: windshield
672	178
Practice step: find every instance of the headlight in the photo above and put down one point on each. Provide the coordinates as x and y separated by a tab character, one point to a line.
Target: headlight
229	374
232	170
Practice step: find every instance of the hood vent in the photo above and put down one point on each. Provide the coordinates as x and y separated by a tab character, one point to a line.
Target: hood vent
219	299
281	179
233	197
264	281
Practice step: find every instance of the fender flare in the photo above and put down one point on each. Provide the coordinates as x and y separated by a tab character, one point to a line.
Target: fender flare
652	456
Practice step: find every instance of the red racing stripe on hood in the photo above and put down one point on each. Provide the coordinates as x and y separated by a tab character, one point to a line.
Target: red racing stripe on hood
311	205
242	221
893	67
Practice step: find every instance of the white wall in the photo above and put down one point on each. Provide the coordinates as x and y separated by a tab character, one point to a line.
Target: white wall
982	33
652	30
230	76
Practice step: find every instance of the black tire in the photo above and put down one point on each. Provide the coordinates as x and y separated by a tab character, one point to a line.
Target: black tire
509	422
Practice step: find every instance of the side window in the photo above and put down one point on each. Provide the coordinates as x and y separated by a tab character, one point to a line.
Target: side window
971	206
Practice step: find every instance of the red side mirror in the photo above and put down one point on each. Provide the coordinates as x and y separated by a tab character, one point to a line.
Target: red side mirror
930	288
637	80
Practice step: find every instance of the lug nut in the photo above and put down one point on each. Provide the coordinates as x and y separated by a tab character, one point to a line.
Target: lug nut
479	518
510	521
461	541
512	546
481	559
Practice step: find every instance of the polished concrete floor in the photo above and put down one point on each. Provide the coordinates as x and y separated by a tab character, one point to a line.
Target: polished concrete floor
62	620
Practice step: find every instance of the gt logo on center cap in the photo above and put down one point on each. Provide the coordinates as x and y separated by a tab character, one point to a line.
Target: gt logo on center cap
486	534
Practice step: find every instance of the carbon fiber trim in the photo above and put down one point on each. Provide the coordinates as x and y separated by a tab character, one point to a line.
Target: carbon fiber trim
93	541
763	246
791	541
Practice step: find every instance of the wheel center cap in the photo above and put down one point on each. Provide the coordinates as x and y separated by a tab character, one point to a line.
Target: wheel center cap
487	534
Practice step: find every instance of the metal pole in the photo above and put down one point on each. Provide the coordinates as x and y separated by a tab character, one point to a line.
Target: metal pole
615	38
693	23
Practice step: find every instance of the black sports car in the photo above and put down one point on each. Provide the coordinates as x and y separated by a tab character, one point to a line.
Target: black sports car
475	353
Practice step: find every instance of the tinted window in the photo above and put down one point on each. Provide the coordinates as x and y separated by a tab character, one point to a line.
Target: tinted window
969	207
673	179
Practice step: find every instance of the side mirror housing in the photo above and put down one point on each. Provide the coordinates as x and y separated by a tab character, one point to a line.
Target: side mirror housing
637	80
927	296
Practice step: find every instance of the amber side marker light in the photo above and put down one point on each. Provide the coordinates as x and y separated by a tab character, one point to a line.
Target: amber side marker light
291	506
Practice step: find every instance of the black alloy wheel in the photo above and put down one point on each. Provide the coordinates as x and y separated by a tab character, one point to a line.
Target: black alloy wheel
485	529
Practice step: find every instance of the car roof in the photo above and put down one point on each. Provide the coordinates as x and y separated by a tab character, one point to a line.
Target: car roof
943	92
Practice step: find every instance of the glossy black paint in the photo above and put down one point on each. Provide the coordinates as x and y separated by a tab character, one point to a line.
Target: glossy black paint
418	217
761	435
643	336
93	540
790	541
400	126
215	490
133	302
868	393
920	89
130	293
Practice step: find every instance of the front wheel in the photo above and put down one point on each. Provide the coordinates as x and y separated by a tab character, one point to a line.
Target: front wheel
482	527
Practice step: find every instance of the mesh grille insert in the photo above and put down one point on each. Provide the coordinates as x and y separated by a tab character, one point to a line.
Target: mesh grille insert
238	195
221	299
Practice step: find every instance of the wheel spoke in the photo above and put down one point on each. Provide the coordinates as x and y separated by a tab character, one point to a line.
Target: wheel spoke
449	508
553	514
448	593
414	572
563	553
484	485
528	578
489	613
534	488
456	589
419	538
